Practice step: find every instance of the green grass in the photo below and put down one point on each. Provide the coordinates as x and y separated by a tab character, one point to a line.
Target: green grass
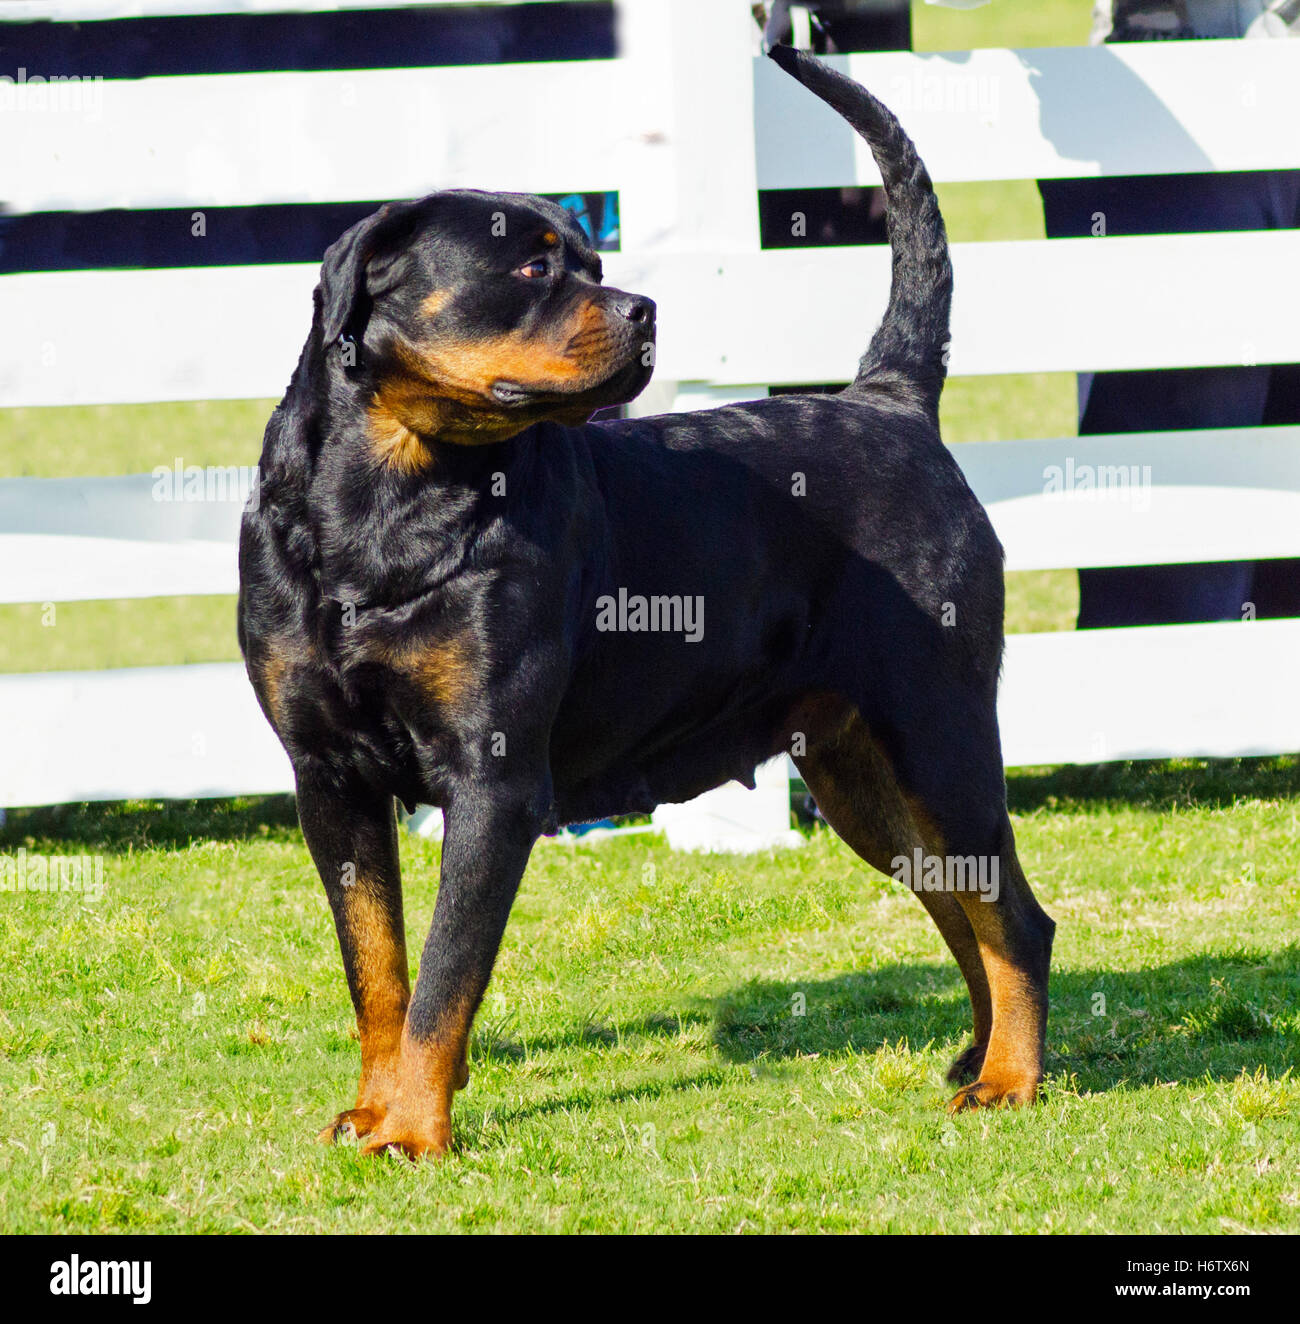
170	1049
1041	601
76	441
1013	23
138	632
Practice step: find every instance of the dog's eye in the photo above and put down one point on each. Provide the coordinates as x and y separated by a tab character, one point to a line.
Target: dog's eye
535	269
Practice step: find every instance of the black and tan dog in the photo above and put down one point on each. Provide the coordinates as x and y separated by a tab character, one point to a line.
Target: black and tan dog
427	590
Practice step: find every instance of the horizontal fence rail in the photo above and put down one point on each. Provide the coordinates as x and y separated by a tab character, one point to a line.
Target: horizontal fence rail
137	536
1150	498
229	139
1175	691
1134	499
173	732
787	316
978	115
85	11
1089	697
1144	108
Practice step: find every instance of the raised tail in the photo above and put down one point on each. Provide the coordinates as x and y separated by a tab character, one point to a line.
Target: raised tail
910	347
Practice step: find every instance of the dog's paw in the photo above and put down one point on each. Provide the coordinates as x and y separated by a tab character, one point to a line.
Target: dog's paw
966	1066
353	1123
993	1094
409	1136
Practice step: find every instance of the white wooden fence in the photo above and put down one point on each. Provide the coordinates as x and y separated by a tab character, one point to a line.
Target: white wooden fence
687	123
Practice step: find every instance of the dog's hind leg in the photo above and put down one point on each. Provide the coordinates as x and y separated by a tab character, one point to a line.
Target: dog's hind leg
352	835
853	782
1014	936
950	768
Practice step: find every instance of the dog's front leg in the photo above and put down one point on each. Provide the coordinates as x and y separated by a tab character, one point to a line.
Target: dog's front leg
490	832
352	835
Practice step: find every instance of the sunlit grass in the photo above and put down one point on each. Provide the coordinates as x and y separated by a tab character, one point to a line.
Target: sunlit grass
641	1062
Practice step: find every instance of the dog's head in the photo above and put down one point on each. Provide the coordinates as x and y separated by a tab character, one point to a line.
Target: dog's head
470	316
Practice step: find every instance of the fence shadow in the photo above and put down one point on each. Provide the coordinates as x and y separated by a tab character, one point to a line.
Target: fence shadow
122	825
1157	785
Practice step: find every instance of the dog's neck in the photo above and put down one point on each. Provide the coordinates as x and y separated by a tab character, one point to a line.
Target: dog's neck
390	507
406	433
391	525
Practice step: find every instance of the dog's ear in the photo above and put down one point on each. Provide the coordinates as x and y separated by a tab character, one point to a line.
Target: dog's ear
343	274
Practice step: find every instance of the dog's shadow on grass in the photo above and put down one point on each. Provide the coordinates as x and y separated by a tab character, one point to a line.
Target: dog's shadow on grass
495	1041
1204	1017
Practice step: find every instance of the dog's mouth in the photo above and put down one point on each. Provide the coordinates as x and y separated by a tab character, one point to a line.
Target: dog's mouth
512	394
623	383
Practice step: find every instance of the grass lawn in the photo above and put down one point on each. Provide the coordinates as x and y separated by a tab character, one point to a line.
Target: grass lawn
170	1050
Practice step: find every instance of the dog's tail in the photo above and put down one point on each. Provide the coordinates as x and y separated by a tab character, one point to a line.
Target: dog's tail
911	344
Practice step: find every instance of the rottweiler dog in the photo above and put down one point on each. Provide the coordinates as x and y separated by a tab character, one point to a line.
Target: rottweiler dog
458	591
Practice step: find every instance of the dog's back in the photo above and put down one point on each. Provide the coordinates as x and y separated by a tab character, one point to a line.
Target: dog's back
823	534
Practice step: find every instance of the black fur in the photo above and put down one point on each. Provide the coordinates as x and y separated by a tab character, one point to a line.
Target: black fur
847	572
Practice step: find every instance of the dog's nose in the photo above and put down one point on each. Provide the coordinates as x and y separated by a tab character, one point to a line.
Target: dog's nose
636	308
